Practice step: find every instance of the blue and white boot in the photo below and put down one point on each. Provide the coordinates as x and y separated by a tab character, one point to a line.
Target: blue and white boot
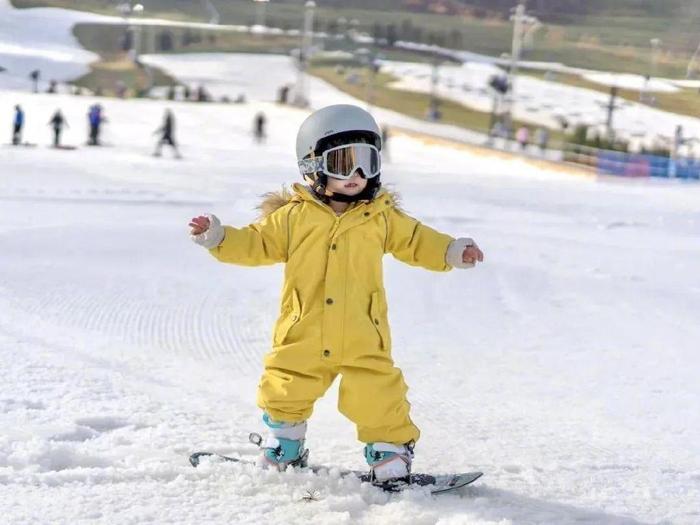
283	445
388	462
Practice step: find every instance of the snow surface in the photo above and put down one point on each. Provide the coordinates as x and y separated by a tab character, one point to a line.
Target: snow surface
629	81
42	38
564	367
259	76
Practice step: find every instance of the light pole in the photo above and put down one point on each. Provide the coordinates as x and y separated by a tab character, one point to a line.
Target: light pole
692	64
301	97
128	10
524	27
646	94
434	106
260	7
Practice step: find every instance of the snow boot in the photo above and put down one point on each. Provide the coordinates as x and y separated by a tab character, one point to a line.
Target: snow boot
389	462
283	445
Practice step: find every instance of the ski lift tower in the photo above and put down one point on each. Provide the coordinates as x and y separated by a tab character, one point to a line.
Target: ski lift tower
301	96
524	27
128	10
260	8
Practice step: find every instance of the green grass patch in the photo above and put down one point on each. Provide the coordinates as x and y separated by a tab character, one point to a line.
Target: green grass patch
105	76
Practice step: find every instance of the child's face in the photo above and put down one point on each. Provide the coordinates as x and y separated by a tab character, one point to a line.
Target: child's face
351	186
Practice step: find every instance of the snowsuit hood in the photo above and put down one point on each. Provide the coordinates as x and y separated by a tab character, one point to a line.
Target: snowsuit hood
273	200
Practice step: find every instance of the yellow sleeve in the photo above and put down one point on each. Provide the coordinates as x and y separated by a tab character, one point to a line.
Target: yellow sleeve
414	243
261	243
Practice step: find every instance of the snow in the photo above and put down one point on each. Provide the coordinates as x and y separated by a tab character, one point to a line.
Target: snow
564	367
229	74
539	102
628	81
259	76
41	38
542	102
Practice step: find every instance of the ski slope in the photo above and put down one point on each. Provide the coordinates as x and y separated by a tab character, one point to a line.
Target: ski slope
42	38
564	367
542	102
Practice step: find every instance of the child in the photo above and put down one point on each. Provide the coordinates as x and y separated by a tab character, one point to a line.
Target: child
332	235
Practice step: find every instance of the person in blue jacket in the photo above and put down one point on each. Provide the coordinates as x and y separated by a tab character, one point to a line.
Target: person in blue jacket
17	126
95	119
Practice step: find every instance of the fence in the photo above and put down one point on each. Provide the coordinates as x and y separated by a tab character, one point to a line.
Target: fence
608	162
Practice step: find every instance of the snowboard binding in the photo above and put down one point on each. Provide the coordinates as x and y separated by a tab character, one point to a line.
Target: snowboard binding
281	453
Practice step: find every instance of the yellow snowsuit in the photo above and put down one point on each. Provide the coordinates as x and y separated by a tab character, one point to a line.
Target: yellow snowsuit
333	316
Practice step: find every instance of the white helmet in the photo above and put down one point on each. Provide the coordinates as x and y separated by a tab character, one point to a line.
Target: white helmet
328	125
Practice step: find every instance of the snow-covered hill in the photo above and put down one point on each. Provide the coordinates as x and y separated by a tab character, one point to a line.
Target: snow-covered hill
565	367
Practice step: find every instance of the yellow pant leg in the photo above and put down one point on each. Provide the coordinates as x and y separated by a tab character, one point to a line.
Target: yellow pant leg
289	387
373	396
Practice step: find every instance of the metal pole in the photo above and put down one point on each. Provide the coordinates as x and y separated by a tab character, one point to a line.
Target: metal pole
260	12
655	47
301	97
516	47
136	48
433	112
611	111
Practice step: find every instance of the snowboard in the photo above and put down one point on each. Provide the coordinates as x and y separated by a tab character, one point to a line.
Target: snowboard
438	484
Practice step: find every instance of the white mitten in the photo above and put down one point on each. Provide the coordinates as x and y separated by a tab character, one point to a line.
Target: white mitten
453	256
213	236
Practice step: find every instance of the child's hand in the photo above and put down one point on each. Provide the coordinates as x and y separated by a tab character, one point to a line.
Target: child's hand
199	225
207	231
472	254
463	253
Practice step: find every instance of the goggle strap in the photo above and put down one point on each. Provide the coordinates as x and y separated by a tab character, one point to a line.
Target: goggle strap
313	165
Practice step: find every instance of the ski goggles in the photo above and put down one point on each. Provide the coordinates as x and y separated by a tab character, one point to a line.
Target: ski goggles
343	161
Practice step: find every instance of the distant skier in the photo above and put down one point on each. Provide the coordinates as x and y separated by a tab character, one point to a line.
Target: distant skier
523	137
167	135
57	122
542	138
35	76
332	235
385	142
17	126
203	94
259	124
95	120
